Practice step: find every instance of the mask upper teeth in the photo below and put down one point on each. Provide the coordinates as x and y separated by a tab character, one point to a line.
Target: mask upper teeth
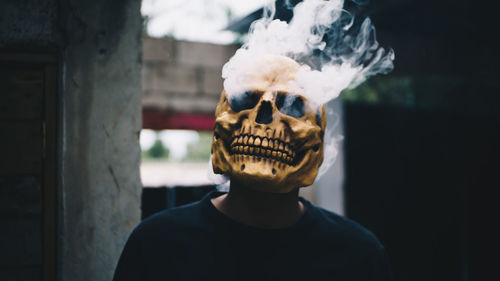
263	147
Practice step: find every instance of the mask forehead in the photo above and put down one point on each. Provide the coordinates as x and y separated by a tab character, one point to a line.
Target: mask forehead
271	73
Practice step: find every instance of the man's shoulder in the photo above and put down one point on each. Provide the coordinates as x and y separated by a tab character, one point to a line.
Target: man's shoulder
186	216
330	224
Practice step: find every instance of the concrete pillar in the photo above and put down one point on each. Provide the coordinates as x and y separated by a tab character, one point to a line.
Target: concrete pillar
100	121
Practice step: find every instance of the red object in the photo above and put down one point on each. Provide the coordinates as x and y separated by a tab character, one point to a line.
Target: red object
157	119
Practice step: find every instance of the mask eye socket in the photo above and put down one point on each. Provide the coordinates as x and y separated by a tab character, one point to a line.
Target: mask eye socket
246	100
291	105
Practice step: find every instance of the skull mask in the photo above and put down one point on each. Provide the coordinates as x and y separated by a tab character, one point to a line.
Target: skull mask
268	135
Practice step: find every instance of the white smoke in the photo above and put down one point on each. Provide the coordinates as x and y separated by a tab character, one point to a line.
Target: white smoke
332	140
334	52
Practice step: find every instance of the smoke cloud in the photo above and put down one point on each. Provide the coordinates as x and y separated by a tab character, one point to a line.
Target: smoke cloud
334	53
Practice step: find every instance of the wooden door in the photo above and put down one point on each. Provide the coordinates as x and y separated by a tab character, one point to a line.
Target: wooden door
28	84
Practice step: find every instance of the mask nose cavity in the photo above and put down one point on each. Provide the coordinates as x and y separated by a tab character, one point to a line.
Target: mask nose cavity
265	113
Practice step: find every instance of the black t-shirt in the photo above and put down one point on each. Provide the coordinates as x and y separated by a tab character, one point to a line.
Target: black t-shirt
197	242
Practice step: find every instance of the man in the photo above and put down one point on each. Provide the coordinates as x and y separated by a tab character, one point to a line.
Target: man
268	140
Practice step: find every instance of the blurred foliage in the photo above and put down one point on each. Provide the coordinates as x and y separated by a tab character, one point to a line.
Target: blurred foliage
199	151
383	90
158	150
437	92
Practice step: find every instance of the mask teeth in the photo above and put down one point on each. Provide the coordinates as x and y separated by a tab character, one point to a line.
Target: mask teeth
263	147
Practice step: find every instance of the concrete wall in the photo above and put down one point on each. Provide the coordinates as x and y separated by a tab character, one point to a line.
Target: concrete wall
28	24
98	44
100	124
182	76
31	23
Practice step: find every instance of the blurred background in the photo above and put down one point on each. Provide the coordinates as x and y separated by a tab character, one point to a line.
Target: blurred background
107	107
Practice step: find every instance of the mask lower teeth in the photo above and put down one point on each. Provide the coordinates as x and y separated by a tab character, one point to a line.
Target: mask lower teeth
263	147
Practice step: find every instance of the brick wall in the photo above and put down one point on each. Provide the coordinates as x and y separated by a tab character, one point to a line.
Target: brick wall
182	76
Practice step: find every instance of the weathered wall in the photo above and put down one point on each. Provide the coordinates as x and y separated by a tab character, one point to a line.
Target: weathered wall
182	76
22	23
28	23
100	124
99	118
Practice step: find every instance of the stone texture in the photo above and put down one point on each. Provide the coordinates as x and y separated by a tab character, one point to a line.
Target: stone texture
212	83
158	50
178	102
202	104
181	79
28	23
193	77
201	54
147	73
98	46
100	186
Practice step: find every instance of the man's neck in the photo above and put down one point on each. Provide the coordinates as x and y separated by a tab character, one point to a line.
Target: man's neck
260	209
